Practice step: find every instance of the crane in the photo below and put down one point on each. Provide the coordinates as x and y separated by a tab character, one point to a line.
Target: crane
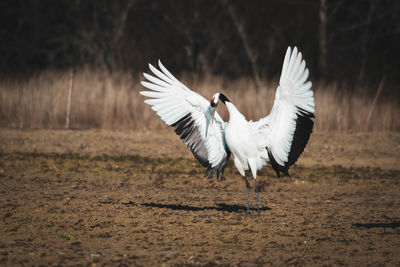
278	138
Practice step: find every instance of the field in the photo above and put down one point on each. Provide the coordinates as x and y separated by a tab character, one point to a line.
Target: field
102	197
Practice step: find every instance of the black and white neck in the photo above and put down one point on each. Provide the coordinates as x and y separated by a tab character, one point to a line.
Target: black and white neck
223	98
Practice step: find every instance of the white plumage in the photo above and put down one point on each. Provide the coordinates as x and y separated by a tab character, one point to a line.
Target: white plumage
278	138
189	113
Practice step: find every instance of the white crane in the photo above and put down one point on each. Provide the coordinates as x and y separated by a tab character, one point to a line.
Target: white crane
279	138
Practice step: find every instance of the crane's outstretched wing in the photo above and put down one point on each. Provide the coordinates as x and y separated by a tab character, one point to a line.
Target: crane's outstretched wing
288	127
190	115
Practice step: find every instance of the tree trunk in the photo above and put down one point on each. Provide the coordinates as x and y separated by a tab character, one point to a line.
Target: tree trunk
118	27
323	50
364	42
251	54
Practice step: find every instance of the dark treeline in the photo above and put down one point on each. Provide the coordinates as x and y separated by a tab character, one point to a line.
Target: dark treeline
355	41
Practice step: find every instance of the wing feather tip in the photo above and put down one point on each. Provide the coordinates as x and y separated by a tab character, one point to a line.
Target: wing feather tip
289	50
295	51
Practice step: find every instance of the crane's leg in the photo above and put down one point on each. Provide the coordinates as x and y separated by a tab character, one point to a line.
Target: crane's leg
248	194
253	167
239	166
258	200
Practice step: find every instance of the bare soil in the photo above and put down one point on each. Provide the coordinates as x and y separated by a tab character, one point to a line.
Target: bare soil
94	198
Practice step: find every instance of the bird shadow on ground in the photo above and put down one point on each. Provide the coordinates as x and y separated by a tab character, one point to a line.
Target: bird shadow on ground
218	207
392	225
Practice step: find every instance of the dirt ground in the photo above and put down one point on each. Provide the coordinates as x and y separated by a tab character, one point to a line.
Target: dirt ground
95	198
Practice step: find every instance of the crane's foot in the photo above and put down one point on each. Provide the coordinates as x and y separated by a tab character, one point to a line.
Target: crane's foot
252	215
247	214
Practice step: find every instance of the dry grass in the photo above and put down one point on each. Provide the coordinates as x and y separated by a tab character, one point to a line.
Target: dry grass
112	101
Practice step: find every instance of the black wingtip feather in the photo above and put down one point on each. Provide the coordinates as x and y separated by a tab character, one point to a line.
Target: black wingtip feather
189	133
304	126
276	166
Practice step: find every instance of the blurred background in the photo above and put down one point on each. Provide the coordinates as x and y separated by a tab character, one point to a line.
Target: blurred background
78	63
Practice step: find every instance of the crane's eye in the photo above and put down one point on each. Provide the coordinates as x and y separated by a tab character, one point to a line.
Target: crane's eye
212	102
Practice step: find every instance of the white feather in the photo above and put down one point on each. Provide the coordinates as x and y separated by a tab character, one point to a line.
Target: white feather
172	101
277	129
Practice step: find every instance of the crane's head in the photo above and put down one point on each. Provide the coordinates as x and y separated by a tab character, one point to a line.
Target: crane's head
214	103
215	99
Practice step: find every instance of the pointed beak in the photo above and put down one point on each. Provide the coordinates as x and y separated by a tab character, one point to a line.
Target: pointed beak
213	114
212	120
